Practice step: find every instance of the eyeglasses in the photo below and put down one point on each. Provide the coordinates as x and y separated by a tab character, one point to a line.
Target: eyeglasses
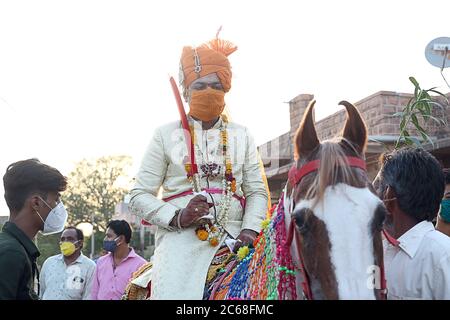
203	86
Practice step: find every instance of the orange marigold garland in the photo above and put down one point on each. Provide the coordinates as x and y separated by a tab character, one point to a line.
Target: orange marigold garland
202	234
213	232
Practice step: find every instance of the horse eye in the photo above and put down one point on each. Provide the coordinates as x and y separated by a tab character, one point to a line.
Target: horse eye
301	218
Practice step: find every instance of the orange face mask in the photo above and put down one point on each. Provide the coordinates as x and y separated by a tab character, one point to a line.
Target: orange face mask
206	105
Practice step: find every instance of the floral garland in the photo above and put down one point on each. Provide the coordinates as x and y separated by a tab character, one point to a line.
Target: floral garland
212	232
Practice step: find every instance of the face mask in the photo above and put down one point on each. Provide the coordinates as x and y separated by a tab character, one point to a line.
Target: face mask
207	104
445	210
110	245
56	219
67	248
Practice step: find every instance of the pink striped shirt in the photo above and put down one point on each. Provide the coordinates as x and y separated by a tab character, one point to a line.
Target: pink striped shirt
109	283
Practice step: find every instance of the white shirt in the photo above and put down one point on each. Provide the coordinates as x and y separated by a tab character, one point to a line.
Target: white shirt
419	267
62	282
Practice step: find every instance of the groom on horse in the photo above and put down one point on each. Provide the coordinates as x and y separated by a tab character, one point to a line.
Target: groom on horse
209	174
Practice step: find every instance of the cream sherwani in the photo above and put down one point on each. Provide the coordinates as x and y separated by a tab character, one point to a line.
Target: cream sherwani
181	260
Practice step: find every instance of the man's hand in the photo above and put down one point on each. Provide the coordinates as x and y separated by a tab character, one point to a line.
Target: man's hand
245	238
196	208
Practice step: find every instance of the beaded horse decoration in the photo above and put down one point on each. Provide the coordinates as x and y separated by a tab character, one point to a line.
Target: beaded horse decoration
323	239
264	272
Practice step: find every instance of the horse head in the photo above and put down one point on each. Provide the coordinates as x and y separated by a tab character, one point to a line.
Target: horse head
337	214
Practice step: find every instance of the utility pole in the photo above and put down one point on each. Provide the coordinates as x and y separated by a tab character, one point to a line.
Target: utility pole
92	236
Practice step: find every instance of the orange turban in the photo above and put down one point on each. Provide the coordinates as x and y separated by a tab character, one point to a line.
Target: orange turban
208	58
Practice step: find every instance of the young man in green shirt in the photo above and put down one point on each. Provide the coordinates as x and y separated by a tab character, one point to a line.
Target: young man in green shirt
32	193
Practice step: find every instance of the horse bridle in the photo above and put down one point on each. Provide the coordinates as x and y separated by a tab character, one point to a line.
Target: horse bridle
295	175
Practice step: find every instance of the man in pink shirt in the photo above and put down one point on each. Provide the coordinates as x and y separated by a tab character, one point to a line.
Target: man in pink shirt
115	269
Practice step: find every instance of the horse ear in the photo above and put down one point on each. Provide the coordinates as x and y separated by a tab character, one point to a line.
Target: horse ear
355	129
306	137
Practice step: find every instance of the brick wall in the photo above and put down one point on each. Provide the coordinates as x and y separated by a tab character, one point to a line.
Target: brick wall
376	110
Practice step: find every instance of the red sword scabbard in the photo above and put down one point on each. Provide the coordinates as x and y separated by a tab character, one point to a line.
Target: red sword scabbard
186	129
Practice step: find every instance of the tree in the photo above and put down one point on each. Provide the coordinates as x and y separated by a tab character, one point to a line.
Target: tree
48	246
94	187
94	190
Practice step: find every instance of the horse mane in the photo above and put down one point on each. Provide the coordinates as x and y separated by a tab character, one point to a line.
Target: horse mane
333	168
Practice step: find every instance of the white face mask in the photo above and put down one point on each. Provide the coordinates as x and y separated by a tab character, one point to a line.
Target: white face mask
55	220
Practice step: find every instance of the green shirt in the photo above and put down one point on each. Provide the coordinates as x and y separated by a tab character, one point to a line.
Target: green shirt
18	256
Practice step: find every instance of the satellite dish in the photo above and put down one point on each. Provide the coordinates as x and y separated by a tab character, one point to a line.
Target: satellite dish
437	52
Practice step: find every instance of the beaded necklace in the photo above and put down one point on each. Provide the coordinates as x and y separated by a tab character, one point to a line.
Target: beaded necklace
213	232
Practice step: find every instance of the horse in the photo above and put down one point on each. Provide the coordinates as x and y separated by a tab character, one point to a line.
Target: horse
323	240
338	216
331	210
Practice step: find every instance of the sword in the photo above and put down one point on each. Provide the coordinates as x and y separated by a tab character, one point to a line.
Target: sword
187	136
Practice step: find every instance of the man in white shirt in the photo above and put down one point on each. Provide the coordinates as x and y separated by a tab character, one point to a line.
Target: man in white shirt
67	276
417	261
443	219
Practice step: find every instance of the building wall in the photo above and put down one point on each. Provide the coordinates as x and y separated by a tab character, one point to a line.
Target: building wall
377	111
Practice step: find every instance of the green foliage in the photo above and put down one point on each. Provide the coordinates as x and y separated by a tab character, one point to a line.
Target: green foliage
98	244
94	189
418	112
48	246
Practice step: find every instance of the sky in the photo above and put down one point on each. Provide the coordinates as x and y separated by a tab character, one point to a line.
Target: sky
84	79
